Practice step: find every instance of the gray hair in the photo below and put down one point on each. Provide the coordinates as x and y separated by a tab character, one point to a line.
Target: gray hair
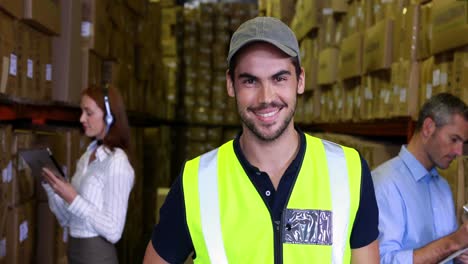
441	108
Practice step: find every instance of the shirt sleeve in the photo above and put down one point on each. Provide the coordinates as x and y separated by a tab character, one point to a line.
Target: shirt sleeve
365	229
57	205
390	227
171	238
109	221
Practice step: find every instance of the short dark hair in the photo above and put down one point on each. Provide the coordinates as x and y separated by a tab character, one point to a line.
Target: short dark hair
233	63
119	131
441	108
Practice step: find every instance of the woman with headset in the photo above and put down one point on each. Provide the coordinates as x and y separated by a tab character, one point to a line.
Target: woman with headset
94	204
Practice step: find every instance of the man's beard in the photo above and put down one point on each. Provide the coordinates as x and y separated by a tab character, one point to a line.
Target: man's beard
250	124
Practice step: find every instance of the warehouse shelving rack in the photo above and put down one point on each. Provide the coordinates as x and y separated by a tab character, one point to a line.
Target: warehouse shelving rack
59	113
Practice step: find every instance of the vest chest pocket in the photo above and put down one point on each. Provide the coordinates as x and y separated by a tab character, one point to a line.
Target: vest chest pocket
308	227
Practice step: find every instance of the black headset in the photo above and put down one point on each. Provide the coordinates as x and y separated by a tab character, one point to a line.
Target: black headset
109	119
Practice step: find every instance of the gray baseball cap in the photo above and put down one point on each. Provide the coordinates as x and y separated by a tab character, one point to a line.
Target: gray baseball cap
266	29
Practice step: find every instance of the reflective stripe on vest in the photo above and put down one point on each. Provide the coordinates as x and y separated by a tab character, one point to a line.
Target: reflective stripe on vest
209	205
339	185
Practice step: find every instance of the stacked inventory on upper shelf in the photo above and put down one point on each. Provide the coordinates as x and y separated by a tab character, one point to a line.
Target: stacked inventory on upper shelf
376	59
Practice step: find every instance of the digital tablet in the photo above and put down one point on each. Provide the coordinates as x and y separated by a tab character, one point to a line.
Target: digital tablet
39	158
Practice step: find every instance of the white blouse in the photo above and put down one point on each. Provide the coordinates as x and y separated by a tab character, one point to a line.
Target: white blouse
103	188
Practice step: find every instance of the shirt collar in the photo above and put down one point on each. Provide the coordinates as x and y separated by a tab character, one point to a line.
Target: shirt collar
414	166
250	169
101	151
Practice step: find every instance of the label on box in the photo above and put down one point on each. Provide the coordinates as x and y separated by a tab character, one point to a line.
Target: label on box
428	91
352	22
48	72
13	64
327	11
7	173
368	93
322	100
376	9
86	28
3	248
23	231
443	78
338	37
358	102
403	94
436	77
387	97
30	69
360	14
396	89
340	103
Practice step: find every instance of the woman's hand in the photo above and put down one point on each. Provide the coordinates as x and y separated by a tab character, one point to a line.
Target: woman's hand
60	187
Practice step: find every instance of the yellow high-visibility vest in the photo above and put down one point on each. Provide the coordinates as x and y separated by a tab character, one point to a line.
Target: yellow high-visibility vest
229	222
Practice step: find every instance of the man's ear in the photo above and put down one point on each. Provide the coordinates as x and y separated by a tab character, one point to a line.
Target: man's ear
229	85
428	127
301	82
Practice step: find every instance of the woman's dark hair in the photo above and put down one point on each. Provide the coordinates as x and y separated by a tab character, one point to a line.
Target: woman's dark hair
119	132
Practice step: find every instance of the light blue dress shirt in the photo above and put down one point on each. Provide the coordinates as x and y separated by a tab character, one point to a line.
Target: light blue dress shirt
415	207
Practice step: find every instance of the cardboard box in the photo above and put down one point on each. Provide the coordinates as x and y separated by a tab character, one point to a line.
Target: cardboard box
27	61
407	99
328	66
406	33
43	14
137	6
19	185
46	222
9	55
96	26
335	6
45	70
14	8
20	233
456	176
309	60
449	25
306	18
92	68
351	56
66	55
378	46
424	32
460	74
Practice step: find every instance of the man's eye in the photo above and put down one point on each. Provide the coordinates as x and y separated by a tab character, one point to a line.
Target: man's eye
249	81
280	78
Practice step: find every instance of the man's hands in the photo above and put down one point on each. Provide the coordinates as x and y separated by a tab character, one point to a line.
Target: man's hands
60	187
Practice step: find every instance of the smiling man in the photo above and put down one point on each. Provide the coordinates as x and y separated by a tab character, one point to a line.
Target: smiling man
417	221
273	194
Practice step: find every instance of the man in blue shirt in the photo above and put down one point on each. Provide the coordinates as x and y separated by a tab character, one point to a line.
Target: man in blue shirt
417	222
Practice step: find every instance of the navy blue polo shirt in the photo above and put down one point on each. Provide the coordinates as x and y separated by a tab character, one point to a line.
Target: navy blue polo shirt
171	238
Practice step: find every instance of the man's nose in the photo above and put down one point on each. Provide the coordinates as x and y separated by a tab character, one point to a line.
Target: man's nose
267	93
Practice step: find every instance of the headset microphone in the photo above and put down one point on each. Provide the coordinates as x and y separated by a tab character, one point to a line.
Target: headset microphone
109	119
